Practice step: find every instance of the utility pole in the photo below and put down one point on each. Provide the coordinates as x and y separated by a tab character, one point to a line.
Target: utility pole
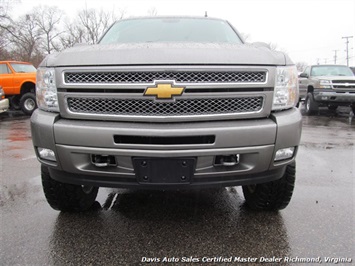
347	48
335	56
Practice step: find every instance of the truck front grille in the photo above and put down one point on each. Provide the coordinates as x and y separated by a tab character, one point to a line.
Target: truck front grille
179	107
343	84
150	77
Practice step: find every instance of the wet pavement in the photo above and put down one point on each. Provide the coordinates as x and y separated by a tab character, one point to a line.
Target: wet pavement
208	227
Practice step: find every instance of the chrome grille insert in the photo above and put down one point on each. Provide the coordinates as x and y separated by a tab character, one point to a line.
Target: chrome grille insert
343	84
148	107
150	77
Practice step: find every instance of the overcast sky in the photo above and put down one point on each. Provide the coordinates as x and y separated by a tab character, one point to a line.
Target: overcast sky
308	30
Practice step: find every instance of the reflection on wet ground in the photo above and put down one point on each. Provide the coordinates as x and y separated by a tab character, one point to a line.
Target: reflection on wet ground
328	118
329	129
133	225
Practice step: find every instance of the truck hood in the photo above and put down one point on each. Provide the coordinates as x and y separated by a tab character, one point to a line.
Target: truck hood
167	54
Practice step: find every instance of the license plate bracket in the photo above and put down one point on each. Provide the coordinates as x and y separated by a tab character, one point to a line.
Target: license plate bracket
164	170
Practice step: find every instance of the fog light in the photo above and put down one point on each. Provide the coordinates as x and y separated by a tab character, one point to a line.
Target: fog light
284	154
46	154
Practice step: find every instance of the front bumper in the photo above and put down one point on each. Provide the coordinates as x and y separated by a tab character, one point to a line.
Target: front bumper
4	105
341	98
255	141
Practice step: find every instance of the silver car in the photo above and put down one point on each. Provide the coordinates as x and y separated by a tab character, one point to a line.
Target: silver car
4	103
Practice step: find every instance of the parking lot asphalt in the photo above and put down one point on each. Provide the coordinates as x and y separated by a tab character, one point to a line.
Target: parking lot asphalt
208	227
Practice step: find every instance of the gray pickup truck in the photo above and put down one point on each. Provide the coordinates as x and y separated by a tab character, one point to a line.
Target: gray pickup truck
327	85
167	103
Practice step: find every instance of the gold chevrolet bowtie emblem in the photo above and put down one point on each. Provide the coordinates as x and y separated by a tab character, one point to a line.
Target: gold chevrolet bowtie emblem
164	91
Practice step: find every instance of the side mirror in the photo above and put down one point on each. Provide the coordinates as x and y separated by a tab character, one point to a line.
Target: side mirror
303	75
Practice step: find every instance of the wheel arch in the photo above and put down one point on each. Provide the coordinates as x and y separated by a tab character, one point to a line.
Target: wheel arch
28	86
310	89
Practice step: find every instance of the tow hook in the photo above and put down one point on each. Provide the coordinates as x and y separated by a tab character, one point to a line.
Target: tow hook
227	160
103	160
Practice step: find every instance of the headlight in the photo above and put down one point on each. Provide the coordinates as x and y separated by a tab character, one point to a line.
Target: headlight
325	84
2	94
286	88
46	90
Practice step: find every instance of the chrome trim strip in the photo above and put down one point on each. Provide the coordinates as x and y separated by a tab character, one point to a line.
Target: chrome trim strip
153	69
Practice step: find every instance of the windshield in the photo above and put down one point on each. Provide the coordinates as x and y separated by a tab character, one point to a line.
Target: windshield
331	71
23	68
171	30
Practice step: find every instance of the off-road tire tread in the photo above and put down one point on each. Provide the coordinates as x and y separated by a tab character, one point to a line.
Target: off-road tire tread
313	105
274	195
66	197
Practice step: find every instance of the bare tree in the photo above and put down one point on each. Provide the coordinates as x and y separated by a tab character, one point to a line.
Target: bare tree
88	27
301	66
47	20
4	17
121	14
95	23
73	34
25	36
5	21
152	12
5	7
41	32
4	53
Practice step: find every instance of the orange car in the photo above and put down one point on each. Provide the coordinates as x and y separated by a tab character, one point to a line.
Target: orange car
18	81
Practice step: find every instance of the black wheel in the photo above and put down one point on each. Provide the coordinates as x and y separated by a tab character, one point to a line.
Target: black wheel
310	105
28	103
274	195
15	102
67	197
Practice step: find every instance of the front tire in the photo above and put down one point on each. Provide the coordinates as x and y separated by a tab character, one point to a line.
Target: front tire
311	107
15	102
28	103
67	197
274	195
